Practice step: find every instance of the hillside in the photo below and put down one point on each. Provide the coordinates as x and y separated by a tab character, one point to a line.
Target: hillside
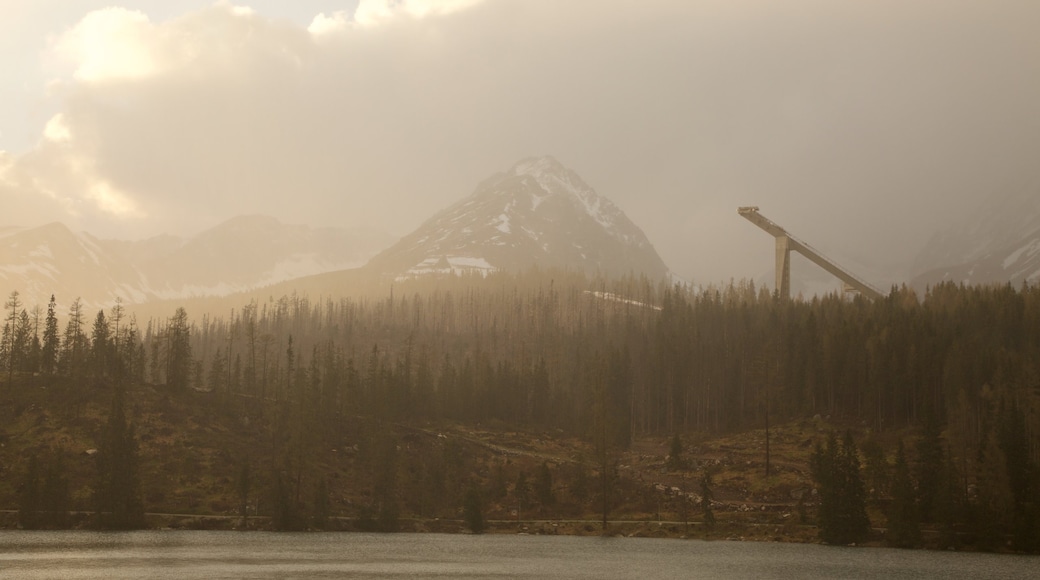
193	445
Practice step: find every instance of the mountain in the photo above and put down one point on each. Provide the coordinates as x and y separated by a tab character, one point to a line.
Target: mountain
250	251
241	254
51	259
998	244
538	213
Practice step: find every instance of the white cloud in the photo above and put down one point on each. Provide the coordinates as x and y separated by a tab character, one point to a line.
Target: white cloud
56	130
111	43
336	22
374	12
113	201
173	125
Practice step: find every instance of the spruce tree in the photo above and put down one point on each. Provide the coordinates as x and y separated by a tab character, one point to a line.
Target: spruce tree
473	511
903	528
29	500
843	513
707	496
544	485
243	484
118	493
51	340
929	468
54	499
675	454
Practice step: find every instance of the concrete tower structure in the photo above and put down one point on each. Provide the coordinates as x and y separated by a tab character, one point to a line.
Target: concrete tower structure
785	243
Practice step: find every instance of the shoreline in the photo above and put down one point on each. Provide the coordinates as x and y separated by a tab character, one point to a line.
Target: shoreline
620	528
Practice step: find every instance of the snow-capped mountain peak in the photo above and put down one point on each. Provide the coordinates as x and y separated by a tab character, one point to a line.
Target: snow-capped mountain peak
536	213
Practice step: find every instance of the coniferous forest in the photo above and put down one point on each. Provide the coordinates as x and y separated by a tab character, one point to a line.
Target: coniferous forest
954	374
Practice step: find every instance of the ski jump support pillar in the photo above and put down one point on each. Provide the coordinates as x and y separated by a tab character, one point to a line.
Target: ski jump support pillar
785	243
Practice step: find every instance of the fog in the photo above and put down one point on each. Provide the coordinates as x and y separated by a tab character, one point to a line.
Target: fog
863	127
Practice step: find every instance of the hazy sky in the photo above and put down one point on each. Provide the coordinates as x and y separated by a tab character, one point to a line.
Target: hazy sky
862	126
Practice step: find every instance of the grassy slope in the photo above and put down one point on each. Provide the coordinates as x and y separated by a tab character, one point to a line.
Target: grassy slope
191	447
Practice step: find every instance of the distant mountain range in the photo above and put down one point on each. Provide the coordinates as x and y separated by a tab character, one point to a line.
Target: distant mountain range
997	244
240	254
538	213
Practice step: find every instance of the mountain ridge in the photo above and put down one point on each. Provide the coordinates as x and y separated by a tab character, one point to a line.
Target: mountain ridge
242	253
537	213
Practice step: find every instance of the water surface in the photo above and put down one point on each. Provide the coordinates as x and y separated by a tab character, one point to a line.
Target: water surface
73	555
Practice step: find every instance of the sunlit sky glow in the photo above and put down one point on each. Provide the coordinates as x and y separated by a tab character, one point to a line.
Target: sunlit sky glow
862	126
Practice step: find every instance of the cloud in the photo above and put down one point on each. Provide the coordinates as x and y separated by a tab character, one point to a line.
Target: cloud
898	115
111	43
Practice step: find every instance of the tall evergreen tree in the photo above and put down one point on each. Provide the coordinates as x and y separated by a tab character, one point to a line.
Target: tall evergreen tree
929	467
54	499
29	500
118	492
9	346
676	461
473	511
100	346
178	354
903	528
51	339
843	513
544	485
707	496
74	343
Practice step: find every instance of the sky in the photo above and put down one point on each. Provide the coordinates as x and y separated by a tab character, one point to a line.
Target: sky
861	126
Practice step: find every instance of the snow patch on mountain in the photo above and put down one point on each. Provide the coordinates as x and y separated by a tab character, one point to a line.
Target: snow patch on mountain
999	243
536	213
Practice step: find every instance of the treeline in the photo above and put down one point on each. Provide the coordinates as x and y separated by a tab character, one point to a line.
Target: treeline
541	348
607	359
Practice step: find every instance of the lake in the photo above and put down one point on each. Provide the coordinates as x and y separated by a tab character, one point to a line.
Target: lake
71	555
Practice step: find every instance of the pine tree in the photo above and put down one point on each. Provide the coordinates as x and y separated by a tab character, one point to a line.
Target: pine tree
497	489
385	492
843	514
118	492
285	516
1021	477
929	467
522	493
101	346
29	500
903	528
544	485
54	500
243	485
178	355
676	461
9	346
74	343
473	511
51	340
580	486
707	496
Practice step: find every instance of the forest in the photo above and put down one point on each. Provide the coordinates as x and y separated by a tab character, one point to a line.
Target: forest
608	361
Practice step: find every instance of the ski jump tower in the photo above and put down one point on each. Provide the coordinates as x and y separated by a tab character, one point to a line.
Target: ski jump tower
785	242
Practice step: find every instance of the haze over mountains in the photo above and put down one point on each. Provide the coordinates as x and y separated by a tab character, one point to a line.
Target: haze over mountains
537	213
999	243
242	253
